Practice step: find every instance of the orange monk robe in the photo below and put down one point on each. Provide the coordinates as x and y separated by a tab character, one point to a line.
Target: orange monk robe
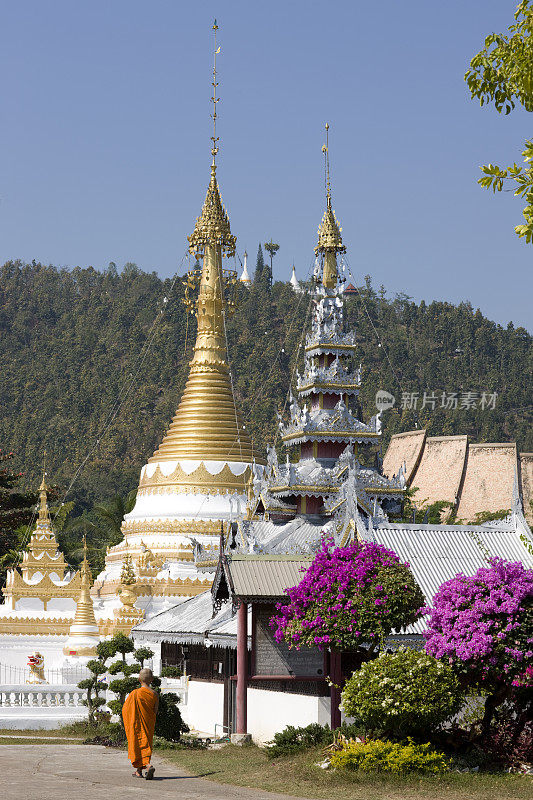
138	713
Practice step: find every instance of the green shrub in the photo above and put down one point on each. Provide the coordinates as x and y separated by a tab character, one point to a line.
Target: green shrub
293	740
171	672
403	693
110	734
378	756
169	724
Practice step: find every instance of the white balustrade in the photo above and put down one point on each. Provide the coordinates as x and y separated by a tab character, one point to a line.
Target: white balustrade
41	696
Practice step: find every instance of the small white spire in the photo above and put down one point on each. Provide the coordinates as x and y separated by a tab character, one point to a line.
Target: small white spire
294	280
245	278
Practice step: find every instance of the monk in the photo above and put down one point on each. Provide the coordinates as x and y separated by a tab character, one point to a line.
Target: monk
138	713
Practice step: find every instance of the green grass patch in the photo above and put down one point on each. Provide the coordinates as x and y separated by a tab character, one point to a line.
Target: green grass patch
60	733
299	776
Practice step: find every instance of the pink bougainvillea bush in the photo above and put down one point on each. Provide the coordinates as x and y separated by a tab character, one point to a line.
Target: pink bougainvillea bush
483	627
349	596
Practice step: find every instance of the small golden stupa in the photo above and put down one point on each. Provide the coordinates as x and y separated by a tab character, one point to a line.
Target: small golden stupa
83	634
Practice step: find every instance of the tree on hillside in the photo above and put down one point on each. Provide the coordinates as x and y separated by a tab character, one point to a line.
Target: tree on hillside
259	266
272	248
502	74
111	514
85	331
16	507
101	525
16	510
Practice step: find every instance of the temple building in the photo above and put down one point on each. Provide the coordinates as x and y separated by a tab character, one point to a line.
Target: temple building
474	478
42	598
239	679
42	591
322	484
197	479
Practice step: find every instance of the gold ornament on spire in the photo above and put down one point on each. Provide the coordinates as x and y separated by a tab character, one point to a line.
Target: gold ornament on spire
329	232
208	425
212	226
44	514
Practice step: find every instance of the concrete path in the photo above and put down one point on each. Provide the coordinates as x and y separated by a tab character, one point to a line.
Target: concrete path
90	772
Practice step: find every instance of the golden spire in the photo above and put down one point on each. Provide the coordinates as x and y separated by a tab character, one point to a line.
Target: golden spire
216	51
212	226
84	608
44	515
207	424
329	232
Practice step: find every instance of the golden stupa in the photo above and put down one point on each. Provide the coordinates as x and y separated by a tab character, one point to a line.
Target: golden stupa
84	633
196	481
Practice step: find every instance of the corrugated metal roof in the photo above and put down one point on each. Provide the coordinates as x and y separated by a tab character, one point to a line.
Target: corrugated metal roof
189	616
190	621
438	553
266	576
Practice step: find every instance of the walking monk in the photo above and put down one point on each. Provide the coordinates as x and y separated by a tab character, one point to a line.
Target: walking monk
138	713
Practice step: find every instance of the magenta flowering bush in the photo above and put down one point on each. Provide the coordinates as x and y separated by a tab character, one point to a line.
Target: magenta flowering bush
349	596
483	627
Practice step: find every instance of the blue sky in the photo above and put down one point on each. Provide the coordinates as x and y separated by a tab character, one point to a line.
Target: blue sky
105	138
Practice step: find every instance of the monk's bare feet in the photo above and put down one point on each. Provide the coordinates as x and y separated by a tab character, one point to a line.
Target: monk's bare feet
150	773
138	773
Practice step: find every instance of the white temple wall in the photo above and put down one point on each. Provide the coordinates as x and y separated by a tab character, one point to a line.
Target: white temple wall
270	712
29	604
62	604
204	707
15	649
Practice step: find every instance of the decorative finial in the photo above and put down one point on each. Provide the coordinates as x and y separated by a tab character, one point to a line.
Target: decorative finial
215	99
325	150
85	571
329	232
212	226
43	500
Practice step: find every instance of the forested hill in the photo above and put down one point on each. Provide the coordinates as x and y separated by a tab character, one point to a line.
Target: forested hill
89	356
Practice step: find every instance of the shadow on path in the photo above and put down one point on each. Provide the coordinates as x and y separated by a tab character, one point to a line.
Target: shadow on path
181	777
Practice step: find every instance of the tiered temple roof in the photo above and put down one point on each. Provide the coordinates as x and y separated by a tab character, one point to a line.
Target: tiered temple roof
324	428
42	577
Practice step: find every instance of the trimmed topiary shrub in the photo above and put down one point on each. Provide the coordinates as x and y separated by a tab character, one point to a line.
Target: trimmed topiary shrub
169	723
171	672
404	693
378	756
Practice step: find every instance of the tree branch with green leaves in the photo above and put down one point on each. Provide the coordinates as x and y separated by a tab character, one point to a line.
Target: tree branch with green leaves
502	74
